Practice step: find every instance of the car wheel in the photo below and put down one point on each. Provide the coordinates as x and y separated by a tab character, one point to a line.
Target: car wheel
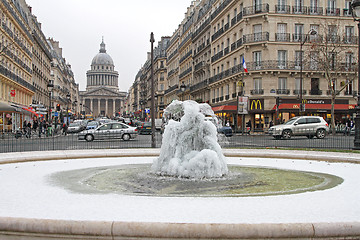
89	137
286	134
310	136
320	133
126	137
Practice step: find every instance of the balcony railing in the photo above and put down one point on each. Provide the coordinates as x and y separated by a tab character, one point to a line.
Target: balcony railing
282	37
256	37
315	92
261	8
257	91
199	85
285	9
333	11
283	91
299	10
297	92
173	88
315	10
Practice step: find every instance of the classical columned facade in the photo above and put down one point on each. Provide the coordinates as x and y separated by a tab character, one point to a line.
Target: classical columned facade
102	96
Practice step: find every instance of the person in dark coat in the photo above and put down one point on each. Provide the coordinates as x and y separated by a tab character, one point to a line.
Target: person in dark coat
249	126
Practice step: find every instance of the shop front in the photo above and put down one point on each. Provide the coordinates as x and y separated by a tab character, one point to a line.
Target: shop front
289	108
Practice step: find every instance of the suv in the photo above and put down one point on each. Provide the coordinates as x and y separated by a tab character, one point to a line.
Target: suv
308	126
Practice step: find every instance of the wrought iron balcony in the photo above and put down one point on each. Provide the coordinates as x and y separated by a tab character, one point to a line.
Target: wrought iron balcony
283	91
256	37
257	91
315	10
285	9
261	8
297	92
333	11
299	10
315	92
282	37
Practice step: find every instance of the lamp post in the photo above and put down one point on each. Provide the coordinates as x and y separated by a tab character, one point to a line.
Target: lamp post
355	6
301	105
68	97
50	87
152	40
182	89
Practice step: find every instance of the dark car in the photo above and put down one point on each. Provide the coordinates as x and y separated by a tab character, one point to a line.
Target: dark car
227	131
145	128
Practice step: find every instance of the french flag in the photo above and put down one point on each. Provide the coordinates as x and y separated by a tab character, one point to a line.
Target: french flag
244	65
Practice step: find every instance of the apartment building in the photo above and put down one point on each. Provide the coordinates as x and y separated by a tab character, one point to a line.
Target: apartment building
65	94
16	88
279	42
268	36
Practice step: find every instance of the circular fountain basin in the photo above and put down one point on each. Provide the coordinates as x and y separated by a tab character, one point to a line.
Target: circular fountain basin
60	195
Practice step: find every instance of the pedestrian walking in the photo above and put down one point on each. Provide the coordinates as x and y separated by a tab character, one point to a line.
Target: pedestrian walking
28	130
41	125
248	126
35	124
64	127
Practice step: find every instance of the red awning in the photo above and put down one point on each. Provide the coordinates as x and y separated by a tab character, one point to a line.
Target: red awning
31	111
316	106
224	108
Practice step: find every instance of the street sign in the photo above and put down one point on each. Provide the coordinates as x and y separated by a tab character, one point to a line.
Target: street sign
147	110
12	93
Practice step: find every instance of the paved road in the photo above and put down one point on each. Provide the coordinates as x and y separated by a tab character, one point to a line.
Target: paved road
70	142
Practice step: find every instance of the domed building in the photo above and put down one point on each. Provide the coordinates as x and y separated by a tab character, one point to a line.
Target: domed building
102	96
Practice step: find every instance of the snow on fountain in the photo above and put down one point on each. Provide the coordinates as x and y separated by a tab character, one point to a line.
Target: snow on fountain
189	147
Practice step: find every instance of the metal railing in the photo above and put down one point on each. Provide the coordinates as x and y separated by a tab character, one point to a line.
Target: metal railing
258	138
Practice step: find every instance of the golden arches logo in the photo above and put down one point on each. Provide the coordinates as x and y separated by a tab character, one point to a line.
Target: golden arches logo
304	101
257	104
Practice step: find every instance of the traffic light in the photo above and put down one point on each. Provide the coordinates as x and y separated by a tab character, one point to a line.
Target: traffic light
58	107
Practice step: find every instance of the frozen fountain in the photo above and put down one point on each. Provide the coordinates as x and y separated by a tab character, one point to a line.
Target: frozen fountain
189	147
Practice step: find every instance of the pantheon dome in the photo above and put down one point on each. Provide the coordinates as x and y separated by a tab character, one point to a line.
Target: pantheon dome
102	71
102	58
102	96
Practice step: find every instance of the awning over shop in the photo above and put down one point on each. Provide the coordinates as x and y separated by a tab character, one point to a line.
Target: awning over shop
31	111
224	108
292	106
4	107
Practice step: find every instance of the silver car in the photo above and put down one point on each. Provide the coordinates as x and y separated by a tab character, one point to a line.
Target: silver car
308	126
111	130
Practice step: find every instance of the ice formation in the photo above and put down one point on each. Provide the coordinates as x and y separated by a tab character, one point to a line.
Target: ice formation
189	147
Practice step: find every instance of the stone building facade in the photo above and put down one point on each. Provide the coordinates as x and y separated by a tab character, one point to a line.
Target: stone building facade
207	51
102	96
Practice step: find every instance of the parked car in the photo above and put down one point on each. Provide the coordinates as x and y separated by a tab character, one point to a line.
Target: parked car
227	131
76	127
92	125
145	128
113	130
308	126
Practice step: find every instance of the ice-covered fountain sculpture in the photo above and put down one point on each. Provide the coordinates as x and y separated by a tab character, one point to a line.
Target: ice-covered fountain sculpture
189	147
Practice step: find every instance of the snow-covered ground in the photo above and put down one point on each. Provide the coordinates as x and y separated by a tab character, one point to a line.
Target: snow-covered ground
25	191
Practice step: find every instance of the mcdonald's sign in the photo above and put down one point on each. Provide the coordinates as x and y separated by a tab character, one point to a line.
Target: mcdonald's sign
257	104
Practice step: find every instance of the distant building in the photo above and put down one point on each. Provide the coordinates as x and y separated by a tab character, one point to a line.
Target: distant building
102	96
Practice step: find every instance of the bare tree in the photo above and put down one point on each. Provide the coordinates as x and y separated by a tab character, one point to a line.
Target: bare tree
332	54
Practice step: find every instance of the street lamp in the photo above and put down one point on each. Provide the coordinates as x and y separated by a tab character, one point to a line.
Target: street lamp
68	97
50	87
301	105
182	87
153	142
355	6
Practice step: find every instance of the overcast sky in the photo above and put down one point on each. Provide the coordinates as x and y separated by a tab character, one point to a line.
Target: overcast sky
126	26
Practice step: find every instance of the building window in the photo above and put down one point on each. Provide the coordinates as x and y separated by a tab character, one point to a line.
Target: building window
282	58
282	83
299	30
257	84
257	60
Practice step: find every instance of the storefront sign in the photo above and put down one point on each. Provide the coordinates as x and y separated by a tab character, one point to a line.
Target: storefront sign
243	105
256	104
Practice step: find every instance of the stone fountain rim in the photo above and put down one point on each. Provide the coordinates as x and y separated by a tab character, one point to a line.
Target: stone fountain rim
29	228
